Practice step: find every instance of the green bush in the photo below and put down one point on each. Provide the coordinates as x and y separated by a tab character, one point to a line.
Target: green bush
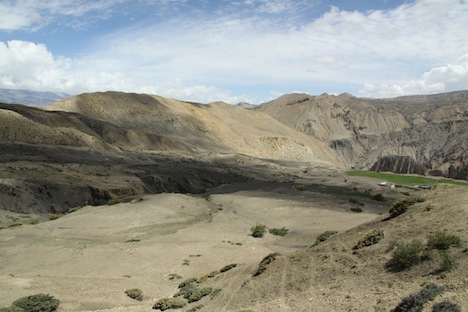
264	263
36	303
113	201
187	282
378	197
446	306
135	293
442	241
54	217
199	293
34	221
228	267
400	206
169	303
448	263
370	238
323	237
415	302
186	291
279	232
406	255
258	230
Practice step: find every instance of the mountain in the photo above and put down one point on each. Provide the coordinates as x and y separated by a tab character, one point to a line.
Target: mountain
412	134
93	147
31	98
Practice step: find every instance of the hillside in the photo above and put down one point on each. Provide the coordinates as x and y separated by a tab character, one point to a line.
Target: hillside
413	134
94	147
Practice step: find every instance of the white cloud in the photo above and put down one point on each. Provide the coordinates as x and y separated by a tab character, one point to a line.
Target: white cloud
25	65
381	53
33	14
439	79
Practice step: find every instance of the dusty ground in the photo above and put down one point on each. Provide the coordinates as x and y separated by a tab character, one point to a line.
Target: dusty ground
88	258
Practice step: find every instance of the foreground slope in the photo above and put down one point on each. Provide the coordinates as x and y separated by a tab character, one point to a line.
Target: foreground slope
332	276
414	134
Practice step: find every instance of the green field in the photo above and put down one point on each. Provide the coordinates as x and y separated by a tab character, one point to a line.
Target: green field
402	179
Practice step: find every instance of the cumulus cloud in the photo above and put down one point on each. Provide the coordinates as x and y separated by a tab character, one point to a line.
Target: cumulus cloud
26	65
450	77
376	53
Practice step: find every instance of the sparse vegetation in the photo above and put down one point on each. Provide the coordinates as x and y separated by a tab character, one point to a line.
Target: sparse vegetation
400	206
406	255
199	293
187	282
402	179
113	201
228	267
196	308
34	221
442	241
323	237
135	293
370	238
446	306
169	303
258	230
447	264
279	232
378	197
265	262
415	302
35	303
356	209
16	223
54	217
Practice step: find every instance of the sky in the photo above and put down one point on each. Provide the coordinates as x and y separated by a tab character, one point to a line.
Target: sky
235	50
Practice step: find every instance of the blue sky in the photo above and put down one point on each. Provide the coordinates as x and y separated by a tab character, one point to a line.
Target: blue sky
238	50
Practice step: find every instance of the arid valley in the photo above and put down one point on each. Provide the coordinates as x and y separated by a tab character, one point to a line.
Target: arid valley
108	192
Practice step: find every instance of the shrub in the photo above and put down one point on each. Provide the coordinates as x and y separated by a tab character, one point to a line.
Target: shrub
258	230
378	197
16	223
446	306
416	301
113	201
400	206
187	282
135	293
323	237
34	221
264	263
442	241
169	303
199	293
54	217
406	255
228	267
37	303
356	209
12	309
448	263
279	232
370	238
186	291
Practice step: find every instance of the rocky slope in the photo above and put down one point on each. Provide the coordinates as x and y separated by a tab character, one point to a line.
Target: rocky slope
420	134
94	147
